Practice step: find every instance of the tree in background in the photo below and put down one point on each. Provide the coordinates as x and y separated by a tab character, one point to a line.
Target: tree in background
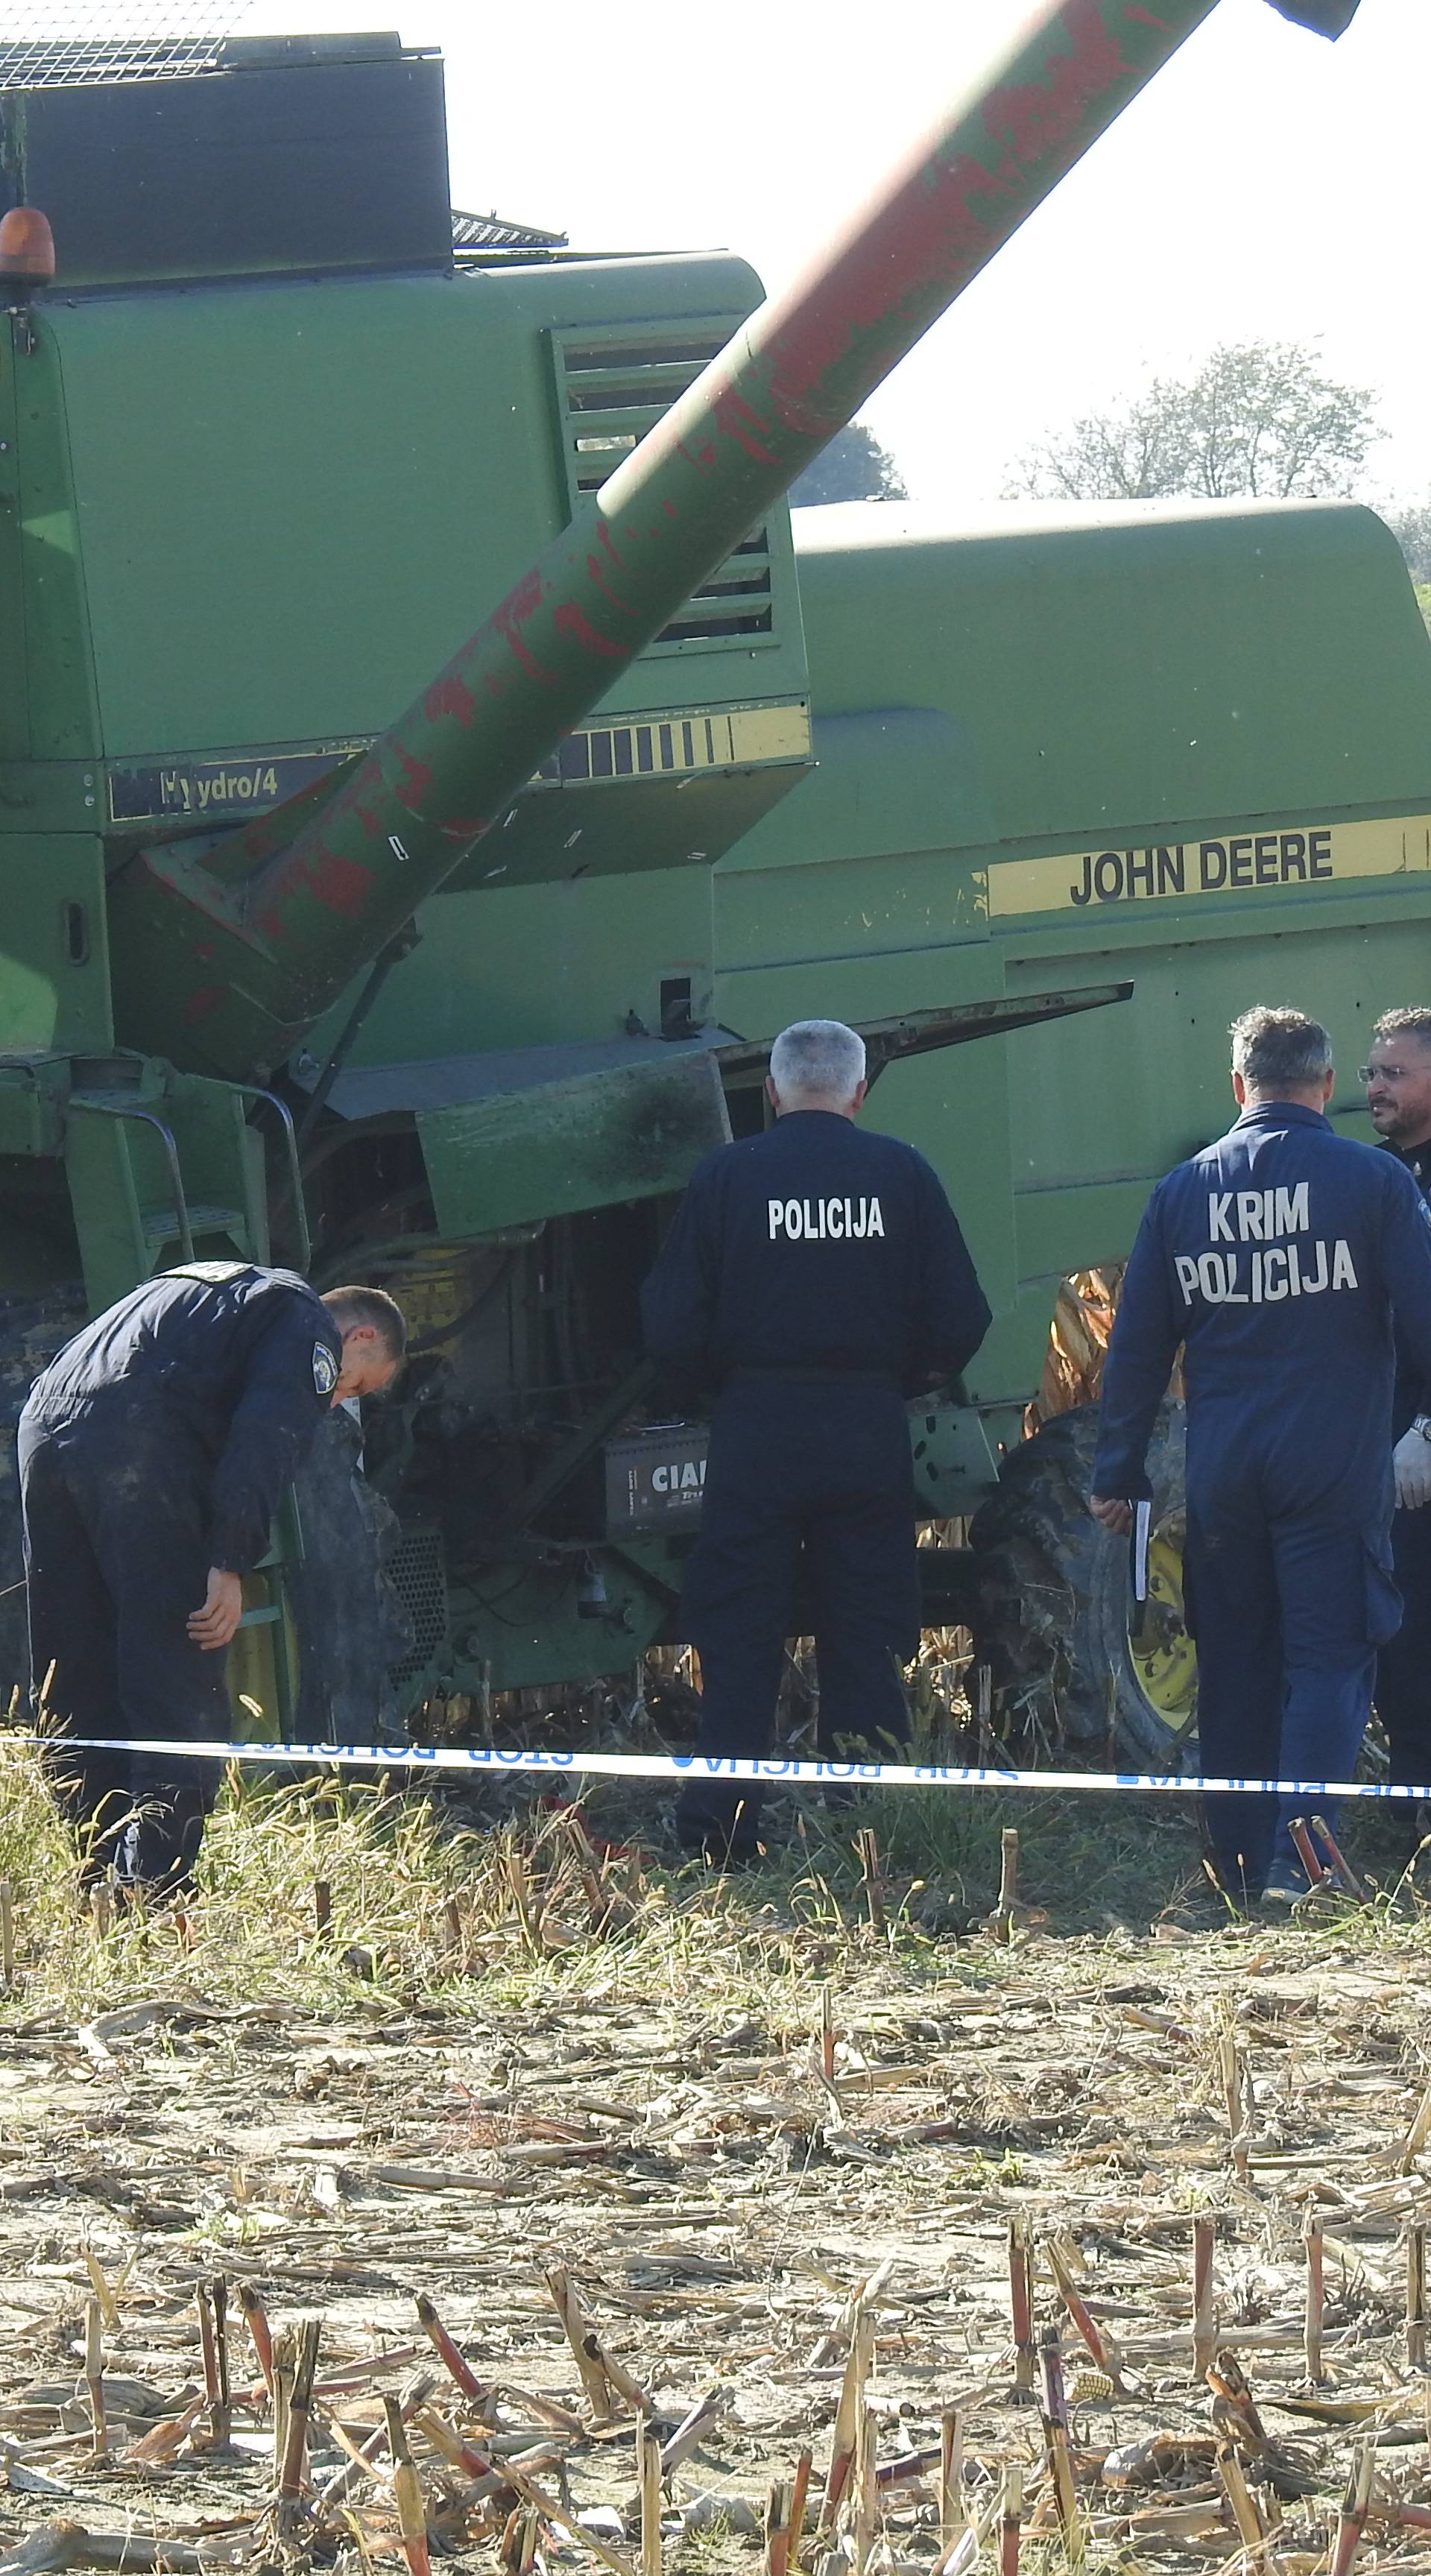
1412	529
854	467
1260	420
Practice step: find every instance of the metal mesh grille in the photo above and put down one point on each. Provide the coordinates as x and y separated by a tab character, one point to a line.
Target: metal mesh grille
493	232
58	47
417	1572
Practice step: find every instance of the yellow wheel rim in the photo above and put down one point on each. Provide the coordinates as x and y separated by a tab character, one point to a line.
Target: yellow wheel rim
1163	1655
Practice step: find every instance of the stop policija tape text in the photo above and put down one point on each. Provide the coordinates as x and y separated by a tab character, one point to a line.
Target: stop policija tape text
688	1766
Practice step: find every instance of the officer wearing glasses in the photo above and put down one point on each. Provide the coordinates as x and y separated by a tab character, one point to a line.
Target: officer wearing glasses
1277	1257
1398	1095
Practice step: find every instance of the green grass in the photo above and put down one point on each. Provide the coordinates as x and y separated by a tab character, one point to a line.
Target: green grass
431	1909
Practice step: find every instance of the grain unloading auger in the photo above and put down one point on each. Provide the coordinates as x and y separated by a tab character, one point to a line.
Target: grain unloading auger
225	954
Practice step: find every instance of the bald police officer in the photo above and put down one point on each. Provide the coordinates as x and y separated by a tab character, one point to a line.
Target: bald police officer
814	1278
1277	1257
153	1453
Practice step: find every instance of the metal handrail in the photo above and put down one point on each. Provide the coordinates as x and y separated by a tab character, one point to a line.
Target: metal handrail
147	1118
253	1091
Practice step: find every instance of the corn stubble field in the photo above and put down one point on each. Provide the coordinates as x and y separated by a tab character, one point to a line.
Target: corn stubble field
504	2196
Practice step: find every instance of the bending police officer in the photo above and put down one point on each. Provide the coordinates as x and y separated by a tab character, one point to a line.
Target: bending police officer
1397	1076
814	1278
153	1452
1276	1257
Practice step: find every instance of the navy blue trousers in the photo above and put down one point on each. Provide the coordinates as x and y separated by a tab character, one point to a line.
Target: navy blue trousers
809	1495
116	1557
1290	1593
1403	1666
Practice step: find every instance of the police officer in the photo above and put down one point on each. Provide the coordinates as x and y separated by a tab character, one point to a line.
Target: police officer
814	1278
1276	1257
153	1452
1397	1075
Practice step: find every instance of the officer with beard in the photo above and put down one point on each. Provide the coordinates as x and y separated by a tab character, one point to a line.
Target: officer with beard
815	1278
1397	1076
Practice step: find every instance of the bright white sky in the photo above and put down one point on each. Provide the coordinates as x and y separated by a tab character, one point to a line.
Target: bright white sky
1267	185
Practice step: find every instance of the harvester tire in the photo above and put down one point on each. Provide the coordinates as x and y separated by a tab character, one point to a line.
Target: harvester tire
1053	1601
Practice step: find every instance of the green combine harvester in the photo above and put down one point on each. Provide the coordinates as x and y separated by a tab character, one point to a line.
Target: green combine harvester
455	1001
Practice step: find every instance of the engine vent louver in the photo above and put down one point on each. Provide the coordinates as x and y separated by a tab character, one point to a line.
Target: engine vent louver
612	386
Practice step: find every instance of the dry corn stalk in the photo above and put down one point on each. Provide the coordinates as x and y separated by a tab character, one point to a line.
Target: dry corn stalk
693	2427
867	1850
586	2350
1011	2521
1233	2080
212	2302
1355	2505
850	2411
1021	2307
1316	2296
1244	2511
1204	2307
799	2499
1341	1866
1417	2135
951	2477
407	2493
294	2369
554	2512
1083	1315
452	2360
94	2377
1416	2296
255	2317
1092	2335
108	2304
864	2522
777	2526
827	2035
1055	2437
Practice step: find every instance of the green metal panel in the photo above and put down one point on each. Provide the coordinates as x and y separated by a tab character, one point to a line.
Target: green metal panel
1132	667
63	715
54	973
538	966
14	673
296	497
589	1141
1074	681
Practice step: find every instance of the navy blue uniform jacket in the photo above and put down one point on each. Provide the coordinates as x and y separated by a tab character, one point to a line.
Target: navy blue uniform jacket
240	1362
1277	1257
817	1245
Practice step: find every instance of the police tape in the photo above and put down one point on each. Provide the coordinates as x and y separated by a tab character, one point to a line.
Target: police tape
688	1767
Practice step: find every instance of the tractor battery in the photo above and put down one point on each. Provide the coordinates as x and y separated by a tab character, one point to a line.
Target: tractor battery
655	1478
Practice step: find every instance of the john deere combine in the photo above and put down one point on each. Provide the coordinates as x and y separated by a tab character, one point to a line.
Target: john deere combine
455	1000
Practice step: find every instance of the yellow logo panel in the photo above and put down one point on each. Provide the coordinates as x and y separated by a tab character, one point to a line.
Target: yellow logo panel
1097	880
685	740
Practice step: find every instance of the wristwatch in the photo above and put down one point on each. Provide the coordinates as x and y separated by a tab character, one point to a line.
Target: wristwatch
1422	1424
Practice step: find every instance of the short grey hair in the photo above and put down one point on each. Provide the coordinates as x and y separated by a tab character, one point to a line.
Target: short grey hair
1413	1023
818	1060
1280	1050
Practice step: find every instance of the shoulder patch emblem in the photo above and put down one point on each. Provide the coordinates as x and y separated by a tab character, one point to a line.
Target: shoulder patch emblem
325	1369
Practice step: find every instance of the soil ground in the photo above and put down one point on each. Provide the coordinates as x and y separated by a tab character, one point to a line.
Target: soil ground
741	2120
